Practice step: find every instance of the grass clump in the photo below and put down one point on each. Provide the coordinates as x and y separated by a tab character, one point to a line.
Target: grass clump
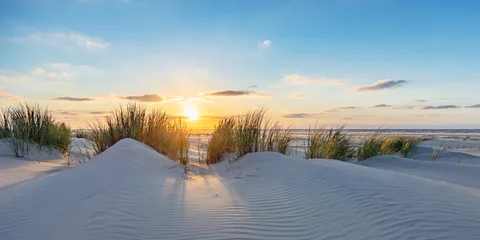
329	144
248	133
222	140
26	123
164	133
370	146
277	138
404	144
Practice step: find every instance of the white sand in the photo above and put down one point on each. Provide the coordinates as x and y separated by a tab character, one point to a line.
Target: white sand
132	192
39	163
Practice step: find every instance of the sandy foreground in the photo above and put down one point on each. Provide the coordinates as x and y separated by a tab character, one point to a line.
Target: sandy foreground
132	192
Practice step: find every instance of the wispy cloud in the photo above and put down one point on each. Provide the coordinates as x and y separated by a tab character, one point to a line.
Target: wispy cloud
403	107
440	107
68	113
99	112
61	38
298	95
420	100
13	78
381	106
382	85
233	93
7	95
302	80
144	98
473	106
73	99
301	115
349	107
38	71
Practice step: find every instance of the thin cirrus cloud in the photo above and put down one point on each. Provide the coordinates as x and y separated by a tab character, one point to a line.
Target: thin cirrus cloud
302	80
13	78
298	95
61	38
301	115
144	98
349	107
440	107
382	85
473	106
233	93
381	106
73	99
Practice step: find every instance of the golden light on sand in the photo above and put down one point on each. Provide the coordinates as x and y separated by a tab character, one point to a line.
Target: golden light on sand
191	113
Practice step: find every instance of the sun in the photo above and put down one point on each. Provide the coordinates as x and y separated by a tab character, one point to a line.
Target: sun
191	113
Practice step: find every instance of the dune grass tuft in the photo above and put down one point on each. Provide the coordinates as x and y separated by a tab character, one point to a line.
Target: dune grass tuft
329	144
164	133
222	140
404	144
248	133
370	146
27	123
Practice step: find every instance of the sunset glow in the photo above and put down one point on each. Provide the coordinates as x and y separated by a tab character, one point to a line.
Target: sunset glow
191	113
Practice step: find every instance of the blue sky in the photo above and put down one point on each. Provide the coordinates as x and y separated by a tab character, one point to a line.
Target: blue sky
331	61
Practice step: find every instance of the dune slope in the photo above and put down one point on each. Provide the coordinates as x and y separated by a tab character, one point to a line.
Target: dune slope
132	192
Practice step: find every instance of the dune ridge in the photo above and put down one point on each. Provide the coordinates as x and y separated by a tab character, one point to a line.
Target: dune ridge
132	192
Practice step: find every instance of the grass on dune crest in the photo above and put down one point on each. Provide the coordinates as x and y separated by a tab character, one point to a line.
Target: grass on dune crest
376	144
329	144
164	133
250	132
403	144
222	140
370	146
28	123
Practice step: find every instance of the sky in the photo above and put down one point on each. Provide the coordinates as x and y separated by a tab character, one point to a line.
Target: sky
364	63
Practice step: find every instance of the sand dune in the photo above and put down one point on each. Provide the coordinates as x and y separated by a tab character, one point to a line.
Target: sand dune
132	192
453	173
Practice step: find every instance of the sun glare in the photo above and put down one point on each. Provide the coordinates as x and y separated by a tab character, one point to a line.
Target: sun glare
191	113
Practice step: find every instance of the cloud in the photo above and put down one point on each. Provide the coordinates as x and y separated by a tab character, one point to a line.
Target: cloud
14	79
144	98
349	107
62	38
382	85
302	80
266	43
232	93
381	106
301	115
253	86
73	99
52	75
38	72
4	94
99	112
298	95
402	107
473	106
68	113
440	107
420	100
